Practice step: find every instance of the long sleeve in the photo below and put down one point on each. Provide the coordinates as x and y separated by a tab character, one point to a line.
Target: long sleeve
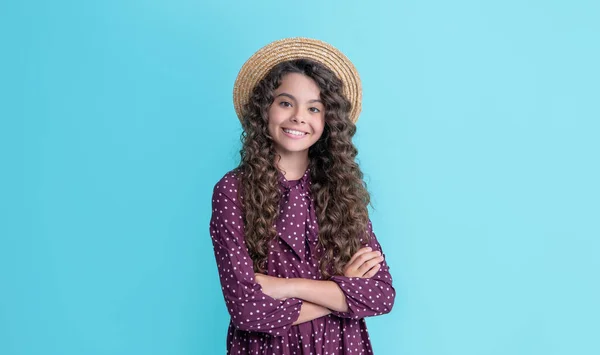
368	296
249	307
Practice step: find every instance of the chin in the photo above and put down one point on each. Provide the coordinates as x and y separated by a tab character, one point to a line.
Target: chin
293	148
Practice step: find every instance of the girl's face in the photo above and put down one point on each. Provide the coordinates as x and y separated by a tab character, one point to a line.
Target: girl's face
296	116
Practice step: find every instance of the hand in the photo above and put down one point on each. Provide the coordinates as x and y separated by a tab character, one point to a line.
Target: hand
364	263
273	286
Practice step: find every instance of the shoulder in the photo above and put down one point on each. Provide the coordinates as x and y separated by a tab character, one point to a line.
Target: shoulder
227	186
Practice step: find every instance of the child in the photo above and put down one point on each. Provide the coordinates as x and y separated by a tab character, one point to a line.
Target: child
298	262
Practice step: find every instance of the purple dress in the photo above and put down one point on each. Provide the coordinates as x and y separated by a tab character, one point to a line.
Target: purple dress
263	325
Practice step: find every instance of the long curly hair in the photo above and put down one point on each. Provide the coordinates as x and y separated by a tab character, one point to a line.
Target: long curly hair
339	192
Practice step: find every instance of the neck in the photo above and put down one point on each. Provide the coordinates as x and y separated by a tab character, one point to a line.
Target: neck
292	164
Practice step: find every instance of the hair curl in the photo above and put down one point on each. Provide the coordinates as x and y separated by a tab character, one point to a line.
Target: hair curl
340	194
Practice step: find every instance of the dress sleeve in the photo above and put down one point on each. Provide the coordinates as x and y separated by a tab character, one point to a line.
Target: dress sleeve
249	307
367	296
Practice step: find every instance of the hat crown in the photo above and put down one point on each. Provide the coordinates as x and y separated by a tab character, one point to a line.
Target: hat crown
263	60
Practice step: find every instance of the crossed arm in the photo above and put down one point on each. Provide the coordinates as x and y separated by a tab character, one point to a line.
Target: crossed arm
320	297
268	304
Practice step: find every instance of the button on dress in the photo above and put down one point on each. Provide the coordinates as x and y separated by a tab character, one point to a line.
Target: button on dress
263	325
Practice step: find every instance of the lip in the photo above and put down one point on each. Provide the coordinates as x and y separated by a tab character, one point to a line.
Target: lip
291	135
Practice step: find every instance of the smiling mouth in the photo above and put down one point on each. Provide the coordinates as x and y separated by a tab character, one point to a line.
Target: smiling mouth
294	132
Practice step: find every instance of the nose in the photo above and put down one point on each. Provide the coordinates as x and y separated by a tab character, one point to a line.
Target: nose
297	117
297	120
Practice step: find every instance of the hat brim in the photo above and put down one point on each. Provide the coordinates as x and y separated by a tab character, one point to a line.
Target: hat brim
259	64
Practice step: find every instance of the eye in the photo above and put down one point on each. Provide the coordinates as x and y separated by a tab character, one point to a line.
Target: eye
316	110
285	104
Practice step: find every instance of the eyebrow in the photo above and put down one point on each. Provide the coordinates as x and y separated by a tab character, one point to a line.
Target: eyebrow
293	98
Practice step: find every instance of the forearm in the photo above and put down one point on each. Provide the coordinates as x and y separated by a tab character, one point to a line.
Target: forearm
323	293
366	297
310	311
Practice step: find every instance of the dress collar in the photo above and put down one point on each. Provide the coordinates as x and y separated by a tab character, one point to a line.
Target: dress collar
296	228
303	183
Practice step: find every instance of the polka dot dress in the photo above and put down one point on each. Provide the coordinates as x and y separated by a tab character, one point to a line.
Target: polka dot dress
263	325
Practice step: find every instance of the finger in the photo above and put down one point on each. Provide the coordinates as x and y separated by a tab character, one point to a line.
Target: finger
372	272
363	258
366	266
359	253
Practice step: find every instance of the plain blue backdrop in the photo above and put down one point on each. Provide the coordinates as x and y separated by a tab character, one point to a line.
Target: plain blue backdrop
479	140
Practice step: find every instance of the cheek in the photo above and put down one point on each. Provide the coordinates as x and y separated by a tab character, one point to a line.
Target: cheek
274	115
271	120
271	128
321	126
318	134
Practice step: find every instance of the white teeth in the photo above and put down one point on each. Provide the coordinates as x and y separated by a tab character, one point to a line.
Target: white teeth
296	133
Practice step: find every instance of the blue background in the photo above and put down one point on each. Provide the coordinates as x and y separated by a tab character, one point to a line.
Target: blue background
478	139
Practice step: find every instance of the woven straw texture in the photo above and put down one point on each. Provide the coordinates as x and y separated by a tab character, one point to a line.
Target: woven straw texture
259	64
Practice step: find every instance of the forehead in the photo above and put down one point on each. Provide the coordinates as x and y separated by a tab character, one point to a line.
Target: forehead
299	85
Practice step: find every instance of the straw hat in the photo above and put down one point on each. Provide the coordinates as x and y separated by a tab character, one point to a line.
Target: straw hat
259	64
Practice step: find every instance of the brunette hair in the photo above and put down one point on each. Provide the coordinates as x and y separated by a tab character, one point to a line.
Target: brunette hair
340	194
